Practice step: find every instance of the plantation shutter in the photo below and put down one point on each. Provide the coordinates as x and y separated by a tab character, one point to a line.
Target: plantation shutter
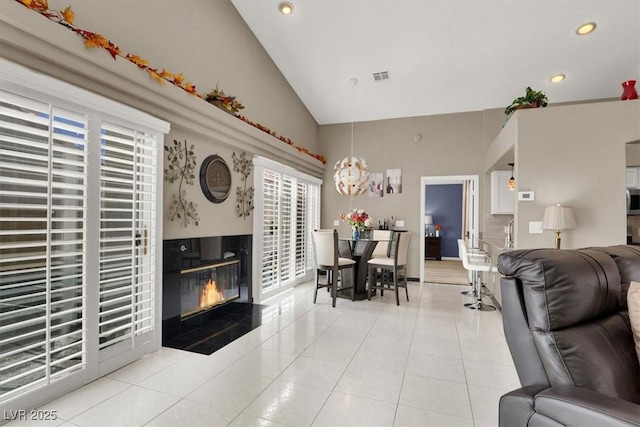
127	213
285	258
43	202
146	223
313	221
287	211
302	232
271	228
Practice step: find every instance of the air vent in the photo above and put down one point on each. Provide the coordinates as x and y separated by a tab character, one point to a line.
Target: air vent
382	75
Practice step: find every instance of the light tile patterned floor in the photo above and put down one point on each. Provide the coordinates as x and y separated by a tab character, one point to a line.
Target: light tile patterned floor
429	362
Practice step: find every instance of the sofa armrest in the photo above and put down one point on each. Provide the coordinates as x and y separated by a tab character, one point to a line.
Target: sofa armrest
516	407
574	406
568	406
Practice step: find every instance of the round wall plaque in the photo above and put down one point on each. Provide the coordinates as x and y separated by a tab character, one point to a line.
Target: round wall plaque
215	178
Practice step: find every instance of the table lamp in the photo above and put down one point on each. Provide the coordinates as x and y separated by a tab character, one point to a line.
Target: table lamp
428	220
558	218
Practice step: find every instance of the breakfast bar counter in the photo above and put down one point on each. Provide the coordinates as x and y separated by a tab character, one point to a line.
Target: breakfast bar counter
494	247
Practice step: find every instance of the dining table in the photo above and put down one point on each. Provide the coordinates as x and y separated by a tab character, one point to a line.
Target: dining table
360	251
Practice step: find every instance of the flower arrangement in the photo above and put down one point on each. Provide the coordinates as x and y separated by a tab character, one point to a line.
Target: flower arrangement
220	99
438	227
358	219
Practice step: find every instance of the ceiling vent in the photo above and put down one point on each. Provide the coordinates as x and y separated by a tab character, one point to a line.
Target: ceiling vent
382	75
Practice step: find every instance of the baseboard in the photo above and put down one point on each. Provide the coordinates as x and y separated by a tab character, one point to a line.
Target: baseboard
450	258
413	279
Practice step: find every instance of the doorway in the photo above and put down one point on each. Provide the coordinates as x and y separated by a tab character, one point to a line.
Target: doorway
468	215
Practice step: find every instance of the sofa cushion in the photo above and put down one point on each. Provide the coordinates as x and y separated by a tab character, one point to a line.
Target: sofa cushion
633	301
564	288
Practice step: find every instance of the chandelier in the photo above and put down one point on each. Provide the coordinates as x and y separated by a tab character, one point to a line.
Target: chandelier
351	174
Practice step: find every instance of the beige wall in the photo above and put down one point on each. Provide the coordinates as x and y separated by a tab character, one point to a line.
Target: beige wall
575	155
451	144
208	42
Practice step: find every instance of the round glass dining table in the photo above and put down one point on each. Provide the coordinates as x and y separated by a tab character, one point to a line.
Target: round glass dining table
360	251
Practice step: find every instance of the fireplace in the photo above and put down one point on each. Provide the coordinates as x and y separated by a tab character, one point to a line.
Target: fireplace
200	276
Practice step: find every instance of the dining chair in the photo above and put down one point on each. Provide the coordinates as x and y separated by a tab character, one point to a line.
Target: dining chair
395	264
329	261
382	247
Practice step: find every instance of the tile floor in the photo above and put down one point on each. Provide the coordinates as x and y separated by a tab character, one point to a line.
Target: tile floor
429	362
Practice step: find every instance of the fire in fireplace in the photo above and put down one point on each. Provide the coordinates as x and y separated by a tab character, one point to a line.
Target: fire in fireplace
210	295
207	286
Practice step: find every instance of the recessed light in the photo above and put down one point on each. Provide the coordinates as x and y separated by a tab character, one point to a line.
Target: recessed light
557	78
286	8
585	29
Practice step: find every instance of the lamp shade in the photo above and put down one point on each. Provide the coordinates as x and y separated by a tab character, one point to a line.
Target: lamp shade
351	175
428	220
558	218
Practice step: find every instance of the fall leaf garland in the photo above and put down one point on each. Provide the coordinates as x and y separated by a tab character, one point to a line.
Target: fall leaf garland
66	18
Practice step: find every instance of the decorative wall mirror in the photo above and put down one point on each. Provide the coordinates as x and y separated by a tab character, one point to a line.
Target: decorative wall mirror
215	178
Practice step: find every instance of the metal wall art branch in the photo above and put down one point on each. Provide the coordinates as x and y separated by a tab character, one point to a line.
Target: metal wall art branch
181	209
242	164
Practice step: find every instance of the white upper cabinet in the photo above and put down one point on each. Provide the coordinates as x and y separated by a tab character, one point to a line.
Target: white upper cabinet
633	177
503	200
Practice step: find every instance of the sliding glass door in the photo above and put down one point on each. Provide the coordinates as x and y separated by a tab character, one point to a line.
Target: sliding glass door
287	210
79	226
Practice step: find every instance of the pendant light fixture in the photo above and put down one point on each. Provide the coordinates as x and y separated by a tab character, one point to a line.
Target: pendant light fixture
511	184
351	174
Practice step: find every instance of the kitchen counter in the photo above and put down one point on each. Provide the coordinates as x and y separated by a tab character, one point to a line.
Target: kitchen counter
494	248
496	244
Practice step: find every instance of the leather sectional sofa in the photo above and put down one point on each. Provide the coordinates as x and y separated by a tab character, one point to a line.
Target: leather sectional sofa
567	326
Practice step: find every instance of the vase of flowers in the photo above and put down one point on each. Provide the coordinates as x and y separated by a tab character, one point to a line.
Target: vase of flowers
438	227
358	219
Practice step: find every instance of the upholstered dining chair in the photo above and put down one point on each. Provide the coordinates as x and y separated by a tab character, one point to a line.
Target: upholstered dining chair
395	264
329	261
382	247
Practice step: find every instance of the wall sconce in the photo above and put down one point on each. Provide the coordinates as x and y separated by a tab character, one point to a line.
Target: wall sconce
558	218
511	184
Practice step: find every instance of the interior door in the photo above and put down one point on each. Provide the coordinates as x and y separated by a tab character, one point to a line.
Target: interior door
472	216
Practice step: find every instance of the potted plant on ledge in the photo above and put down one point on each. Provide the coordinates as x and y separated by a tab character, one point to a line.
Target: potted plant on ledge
532	99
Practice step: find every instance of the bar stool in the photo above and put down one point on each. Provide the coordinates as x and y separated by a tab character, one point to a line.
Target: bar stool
471	252
476	264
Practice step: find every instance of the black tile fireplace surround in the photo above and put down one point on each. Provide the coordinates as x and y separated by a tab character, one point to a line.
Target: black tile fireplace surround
227	259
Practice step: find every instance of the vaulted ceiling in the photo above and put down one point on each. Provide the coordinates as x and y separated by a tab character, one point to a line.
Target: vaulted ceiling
444	56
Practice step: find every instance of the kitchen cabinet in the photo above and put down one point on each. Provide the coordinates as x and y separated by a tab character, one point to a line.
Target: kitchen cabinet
633	177
503	200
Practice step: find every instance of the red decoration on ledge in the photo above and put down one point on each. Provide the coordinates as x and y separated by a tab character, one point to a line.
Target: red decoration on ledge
95	40
629	90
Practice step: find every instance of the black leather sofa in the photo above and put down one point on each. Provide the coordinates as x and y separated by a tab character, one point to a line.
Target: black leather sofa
566	323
